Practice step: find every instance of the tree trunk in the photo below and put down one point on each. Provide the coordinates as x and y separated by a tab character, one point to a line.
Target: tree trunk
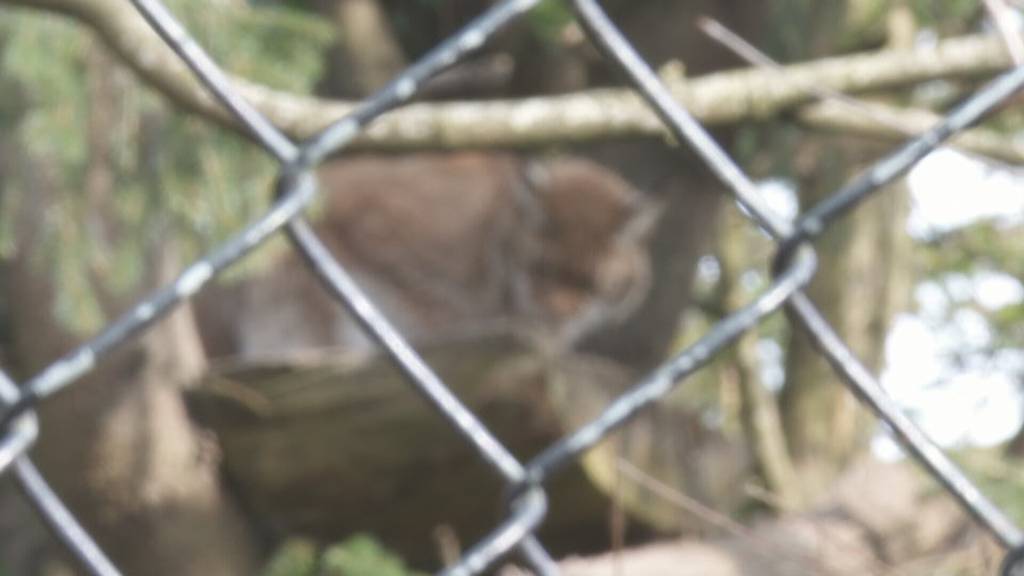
759	411
308	435
669	172
859	286
861	283
118	446
120	450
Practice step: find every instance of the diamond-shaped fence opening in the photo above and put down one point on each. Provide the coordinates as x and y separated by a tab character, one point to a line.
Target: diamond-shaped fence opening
794	267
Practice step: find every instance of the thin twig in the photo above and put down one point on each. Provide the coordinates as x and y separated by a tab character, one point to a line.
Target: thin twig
676	498
752	55
881	120
713	517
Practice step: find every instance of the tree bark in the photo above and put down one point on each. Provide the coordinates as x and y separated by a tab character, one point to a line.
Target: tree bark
118	446
310	434
759	411
120	450
860	284
859	287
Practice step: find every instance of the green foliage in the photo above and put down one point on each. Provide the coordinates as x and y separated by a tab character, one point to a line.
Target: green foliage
176	179
51	82
360	555
275	44
999	478
865	22
948	16
295	557
549	18
802	29
986	247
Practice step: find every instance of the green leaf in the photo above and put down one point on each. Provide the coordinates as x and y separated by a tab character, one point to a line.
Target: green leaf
362	555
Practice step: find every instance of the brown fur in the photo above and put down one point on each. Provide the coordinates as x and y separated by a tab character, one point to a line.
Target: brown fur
444	244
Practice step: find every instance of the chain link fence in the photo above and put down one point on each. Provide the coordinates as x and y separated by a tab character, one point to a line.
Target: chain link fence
526	504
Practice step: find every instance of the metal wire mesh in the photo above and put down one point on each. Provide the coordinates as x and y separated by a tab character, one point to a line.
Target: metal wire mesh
794	268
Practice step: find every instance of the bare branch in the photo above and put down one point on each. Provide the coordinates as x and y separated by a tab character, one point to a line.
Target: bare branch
719	98
867	118
900	122
755	57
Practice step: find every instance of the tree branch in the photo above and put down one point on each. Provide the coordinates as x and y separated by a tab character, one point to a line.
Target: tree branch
901	122
839	111
719	98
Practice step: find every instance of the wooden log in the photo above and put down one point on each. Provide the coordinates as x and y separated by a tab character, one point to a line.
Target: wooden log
326	445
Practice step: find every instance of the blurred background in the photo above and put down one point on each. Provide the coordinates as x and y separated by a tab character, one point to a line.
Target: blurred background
533	232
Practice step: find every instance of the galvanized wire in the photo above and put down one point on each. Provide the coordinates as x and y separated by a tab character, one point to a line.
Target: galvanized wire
527	502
